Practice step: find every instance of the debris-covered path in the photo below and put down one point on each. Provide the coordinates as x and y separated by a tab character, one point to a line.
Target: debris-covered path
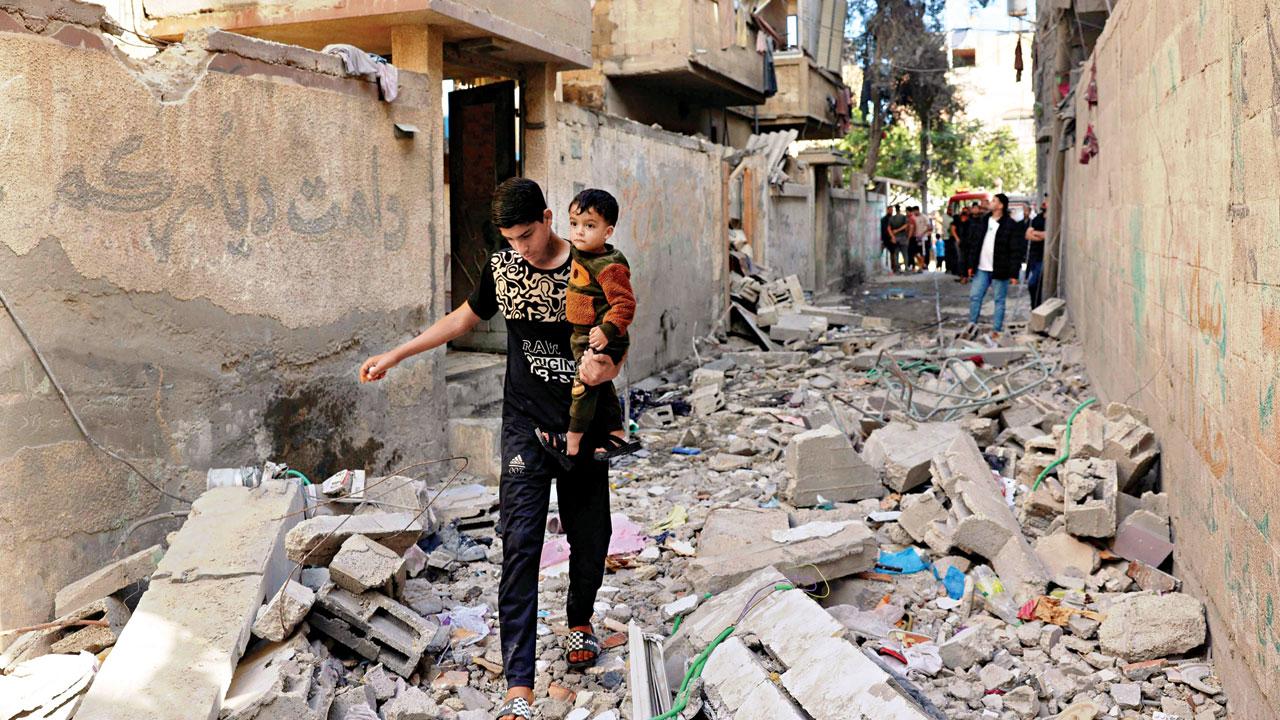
878	518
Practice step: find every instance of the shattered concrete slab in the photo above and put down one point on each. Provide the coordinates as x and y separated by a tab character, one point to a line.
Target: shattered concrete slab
738	685
730	530
110	579
984	521
823	462
806	640
280	680
904	451
176	656
1060	551
69	638
845	549
316	540
1143	536
1130	442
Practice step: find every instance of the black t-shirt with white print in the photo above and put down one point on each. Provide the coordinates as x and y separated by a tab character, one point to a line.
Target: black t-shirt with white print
540	366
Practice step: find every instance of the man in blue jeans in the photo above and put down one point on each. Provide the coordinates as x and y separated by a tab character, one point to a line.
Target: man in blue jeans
1000	256
1035	253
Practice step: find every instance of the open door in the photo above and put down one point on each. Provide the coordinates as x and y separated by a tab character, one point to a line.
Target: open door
482	153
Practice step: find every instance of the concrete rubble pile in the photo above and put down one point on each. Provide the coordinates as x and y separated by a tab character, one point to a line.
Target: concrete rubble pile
871	564
987	579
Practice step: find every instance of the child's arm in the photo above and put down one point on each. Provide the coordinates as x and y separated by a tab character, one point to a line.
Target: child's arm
615	280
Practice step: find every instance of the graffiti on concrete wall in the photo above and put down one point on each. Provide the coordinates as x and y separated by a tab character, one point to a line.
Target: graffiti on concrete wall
249	207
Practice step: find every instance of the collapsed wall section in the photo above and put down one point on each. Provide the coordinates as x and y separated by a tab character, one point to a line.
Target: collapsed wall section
204	247
1171	274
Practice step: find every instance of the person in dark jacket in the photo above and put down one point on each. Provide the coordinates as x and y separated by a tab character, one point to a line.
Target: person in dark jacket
999	251
971	241
957	238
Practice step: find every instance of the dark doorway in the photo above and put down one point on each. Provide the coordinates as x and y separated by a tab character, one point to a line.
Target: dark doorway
482	153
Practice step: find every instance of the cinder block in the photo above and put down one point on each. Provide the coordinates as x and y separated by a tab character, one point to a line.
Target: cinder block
375	626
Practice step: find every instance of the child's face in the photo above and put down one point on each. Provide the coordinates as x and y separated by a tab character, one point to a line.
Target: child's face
587	230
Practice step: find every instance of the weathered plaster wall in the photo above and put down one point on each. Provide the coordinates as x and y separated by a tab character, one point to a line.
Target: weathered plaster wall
855	244
789	247
1172	276
671	225
204	274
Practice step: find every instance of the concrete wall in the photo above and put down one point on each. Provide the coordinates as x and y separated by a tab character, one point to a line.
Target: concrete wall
855	231
789	247
671	226
204	273
1172	276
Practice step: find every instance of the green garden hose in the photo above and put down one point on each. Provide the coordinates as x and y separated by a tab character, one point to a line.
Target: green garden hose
298	474
1065	453
695	668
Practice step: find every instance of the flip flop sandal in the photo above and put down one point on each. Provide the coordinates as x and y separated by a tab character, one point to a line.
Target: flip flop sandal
516	707
557	445
615	446
579	641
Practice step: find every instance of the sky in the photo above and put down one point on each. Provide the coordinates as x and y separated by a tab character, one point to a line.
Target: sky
993	17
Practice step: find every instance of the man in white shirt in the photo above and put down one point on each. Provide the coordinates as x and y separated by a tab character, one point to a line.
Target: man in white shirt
999	259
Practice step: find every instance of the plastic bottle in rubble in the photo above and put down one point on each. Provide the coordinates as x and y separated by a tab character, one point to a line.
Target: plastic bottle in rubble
998	600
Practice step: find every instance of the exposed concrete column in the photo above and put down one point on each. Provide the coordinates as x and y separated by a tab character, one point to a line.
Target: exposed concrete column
420	49
822	231
538	97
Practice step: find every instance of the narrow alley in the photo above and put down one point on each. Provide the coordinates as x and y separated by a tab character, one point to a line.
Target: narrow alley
638	360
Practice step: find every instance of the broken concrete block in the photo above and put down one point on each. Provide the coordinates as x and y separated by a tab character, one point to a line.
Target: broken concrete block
861	688
1093	515
1143	536
904	451
919	512
1061	551
1022	414
374	626
792	327
703	377
656	417
1150	578
116	576
835	315
1045	313
1058	328
967	648
984	522
175	658
1088	434
282	613
706	400
823	462
730	530
362	564
1146	627
411	704
279	680
726	462
349	700
318	539
1130	443
1127	695
738	685
850	549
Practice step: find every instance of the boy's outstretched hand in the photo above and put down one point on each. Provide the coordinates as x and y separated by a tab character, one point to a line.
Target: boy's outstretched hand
597	339
376	367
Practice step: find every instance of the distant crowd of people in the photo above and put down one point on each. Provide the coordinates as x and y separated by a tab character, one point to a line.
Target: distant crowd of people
985	247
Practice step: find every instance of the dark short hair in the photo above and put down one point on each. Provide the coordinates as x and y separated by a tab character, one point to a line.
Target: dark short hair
1004	201
517	201
599	200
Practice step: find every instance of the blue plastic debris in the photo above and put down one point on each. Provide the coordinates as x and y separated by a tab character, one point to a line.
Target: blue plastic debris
904	562
682	450
954	583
